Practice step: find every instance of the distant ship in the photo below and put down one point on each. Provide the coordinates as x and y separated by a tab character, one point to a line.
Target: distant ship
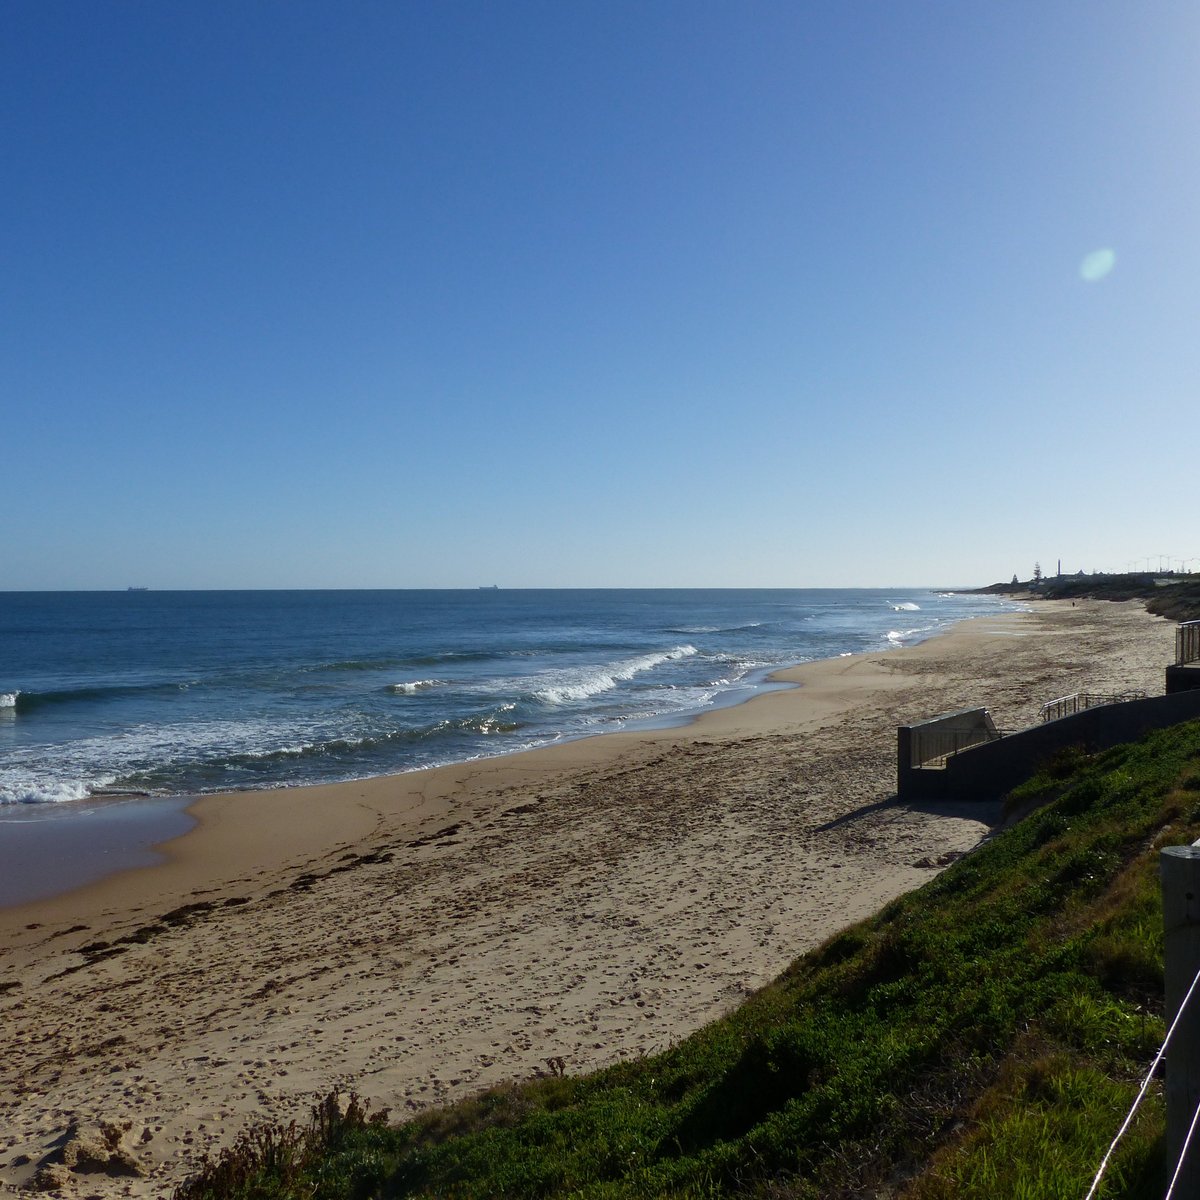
133	589
489	587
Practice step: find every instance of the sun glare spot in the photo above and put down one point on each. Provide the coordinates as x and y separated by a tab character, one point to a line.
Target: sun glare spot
1096	265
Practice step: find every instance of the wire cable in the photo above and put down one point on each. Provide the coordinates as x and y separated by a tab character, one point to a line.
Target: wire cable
1142	1090
1187	1141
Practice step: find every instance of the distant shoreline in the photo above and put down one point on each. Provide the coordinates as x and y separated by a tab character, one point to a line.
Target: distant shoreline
1165	593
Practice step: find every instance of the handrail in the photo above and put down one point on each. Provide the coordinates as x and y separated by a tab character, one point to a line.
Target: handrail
933	747
1187	643
1064	706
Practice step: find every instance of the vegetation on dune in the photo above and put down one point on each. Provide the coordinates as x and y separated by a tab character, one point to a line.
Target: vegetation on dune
1176	599
981	1037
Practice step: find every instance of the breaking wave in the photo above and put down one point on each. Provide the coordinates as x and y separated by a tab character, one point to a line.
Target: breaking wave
905	637
51	792
414	686
565	686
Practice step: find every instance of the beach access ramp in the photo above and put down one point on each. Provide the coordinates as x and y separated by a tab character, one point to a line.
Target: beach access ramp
1184	674
963	756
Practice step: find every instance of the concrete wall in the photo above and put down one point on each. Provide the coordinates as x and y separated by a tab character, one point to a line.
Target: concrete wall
1182	679
987	771
947	734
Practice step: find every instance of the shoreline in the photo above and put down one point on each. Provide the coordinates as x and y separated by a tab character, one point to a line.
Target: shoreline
23	882
418	683
46	852
422	936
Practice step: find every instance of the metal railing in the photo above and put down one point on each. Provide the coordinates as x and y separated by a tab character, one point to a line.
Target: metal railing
931	748
1065	706
1187	643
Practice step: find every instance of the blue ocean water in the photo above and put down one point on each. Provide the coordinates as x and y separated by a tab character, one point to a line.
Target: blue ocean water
184	692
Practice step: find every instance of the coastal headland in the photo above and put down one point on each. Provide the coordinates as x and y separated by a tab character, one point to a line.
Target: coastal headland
423	936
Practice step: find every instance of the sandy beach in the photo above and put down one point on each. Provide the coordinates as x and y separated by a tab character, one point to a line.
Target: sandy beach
423	936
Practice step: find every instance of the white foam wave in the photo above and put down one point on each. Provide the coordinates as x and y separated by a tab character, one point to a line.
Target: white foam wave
50	792
74	771
8	699
907	606
565	686
412	687
905	637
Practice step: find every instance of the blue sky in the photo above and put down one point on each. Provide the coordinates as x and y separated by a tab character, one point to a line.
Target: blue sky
596	294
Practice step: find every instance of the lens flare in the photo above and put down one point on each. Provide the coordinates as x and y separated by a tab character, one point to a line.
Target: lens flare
1097	265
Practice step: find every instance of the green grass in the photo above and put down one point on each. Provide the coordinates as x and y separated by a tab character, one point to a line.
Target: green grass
982	1037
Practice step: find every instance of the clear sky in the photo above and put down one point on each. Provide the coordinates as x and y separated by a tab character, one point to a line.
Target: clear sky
417	294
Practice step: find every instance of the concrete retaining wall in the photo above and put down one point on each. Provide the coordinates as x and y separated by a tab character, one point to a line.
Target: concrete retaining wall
1182	679
942	736
987	771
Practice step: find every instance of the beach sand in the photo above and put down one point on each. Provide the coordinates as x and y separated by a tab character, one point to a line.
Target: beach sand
423	936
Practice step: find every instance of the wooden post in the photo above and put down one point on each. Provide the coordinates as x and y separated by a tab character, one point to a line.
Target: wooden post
1180	872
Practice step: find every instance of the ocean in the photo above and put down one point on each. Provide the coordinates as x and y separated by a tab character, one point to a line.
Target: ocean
178	693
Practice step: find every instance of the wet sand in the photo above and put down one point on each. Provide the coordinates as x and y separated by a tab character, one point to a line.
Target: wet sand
426	935
48	849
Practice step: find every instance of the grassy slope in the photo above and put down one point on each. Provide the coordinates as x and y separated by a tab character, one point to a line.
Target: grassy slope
982	1037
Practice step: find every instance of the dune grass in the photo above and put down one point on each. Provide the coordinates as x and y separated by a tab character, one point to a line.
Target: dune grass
981	1037
1179	600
